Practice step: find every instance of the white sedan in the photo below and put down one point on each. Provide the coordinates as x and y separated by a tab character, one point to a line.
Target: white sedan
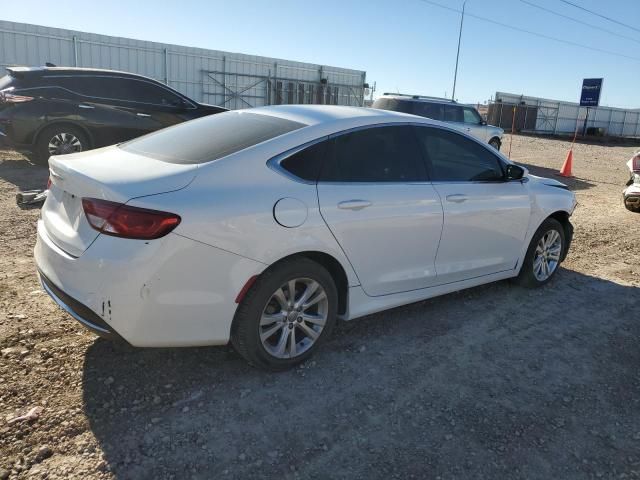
262	227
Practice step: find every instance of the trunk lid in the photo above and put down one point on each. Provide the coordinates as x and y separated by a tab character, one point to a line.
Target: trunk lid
110	174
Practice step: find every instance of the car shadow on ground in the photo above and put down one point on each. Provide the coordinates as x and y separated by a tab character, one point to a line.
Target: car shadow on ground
492	382
574	183
16	169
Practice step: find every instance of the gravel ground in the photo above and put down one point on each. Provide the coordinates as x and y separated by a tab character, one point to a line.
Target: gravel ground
493	382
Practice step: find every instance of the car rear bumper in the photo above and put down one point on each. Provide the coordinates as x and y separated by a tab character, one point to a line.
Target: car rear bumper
631	196
83	314
162	293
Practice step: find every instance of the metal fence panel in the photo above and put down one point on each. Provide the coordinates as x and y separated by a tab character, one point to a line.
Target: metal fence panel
564	117
233	80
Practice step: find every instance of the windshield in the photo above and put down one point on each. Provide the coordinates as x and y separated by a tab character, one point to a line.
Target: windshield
210	138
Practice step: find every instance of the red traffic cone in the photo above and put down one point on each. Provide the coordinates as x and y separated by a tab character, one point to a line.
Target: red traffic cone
565	171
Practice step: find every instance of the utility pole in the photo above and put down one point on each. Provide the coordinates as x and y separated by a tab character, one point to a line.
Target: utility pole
455	75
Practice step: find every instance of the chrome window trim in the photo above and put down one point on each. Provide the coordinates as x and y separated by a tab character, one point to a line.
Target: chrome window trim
274	162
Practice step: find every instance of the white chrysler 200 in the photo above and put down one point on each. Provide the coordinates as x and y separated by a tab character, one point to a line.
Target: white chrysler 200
262	227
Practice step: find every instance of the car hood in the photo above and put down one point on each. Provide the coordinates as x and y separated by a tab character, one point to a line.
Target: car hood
546	181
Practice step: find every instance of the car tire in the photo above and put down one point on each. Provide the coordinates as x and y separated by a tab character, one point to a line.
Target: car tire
266	315
533	273
495	143
70	139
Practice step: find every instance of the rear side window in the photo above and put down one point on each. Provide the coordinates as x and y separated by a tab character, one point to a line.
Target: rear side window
452	113
429	110
455	158
211	137
378	154
307	163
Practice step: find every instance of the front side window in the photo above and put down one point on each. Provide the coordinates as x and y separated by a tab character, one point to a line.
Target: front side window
377	154
455	158
471	116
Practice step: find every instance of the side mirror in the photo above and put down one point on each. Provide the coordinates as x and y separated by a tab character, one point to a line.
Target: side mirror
483	122
514	172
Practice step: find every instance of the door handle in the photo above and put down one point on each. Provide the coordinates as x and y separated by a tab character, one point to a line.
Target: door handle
354	204
457	198
84	105
145	115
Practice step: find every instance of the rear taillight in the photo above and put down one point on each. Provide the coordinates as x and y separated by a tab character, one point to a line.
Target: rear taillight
124	221
48	183
635	164
6	96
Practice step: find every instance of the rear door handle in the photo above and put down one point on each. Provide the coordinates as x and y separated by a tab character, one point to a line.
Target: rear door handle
354	204
145	115
456	198
84	105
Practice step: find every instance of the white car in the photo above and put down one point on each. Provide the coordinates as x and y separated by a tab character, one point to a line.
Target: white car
462	117
262	227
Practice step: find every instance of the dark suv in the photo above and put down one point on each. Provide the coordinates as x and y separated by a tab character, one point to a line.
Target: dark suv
58	110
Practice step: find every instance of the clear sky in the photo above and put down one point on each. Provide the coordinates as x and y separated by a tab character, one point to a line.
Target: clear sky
404	45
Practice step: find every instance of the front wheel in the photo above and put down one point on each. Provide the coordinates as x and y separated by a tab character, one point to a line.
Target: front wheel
544	254
287	313
495	143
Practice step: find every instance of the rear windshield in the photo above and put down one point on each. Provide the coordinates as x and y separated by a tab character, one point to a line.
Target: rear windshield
210	138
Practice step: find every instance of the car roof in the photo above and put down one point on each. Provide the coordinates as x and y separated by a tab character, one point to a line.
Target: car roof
326	114
419	98
39	71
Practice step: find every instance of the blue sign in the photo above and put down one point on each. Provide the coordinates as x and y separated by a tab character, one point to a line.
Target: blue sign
591	88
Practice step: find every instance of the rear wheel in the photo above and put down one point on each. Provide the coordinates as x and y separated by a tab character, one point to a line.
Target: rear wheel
59	140
285	315
495	143
544	254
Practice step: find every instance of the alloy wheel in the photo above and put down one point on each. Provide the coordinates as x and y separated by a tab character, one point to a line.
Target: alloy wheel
294	318
547	255
64	143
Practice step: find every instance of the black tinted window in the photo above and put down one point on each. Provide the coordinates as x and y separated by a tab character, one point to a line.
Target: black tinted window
379	154
306	164
211	137
405	106
117	88
452	113
453	157
429	110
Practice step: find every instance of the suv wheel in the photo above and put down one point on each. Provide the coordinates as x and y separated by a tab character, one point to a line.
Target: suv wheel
59	140
495	143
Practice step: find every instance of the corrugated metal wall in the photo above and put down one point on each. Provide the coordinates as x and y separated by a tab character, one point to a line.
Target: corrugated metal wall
563	117
232	80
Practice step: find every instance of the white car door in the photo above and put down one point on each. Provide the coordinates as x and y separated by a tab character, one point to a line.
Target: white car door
387	218
485	217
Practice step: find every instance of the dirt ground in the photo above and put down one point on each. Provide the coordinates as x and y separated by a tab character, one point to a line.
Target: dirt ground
490	383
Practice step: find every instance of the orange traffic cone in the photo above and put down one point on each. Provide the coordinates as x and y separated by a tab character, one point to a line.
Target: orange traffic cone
565	171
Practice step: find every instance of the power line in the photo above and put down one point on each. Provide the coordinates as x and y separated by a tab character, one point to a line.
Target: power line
541	35
611	32
600	15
